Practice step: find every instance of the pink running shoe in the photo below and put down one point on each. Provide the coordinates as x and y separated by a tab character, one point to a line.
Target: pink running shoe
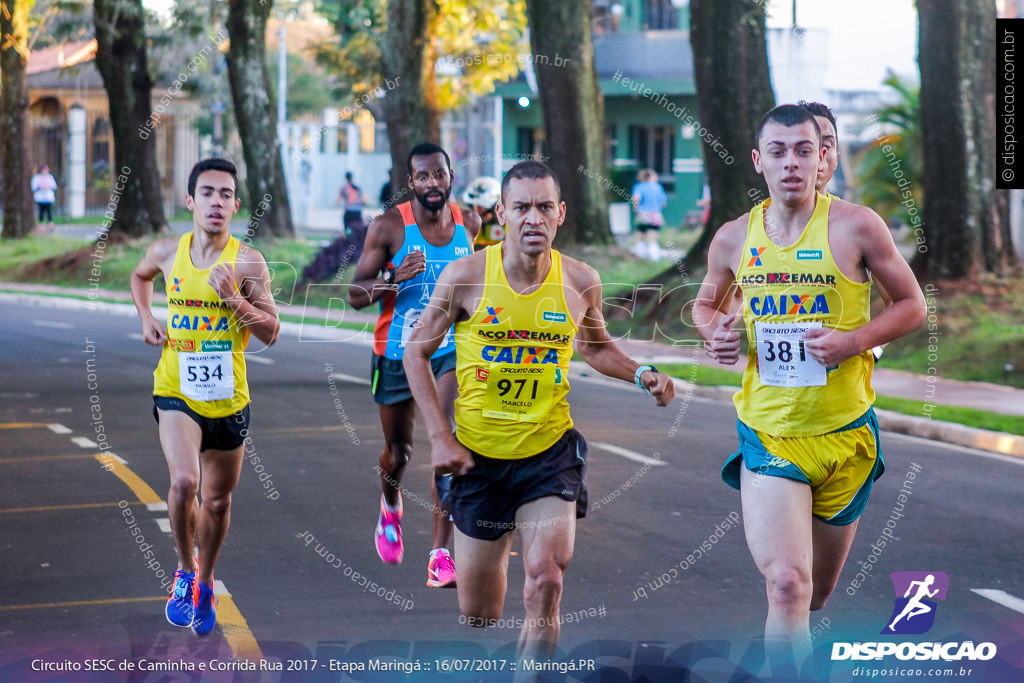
441	570
389	533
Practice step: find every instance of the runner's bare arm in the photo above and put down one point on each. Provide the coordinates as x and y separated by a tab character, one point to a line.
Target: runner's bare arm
447	455
367	284
716	304
246	289
473	224
154	332
597	347
905	311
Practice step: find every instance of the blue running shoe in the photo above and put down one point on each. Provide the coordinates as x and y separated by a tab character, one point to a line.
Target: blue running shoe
205	614
180	607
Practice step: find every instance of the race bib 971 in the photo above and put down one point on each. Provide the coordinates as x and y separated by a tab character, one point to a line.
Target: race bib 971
520	392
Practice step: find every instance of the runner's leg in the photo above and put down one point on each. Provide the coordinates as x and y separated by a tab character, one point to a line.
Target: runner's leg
831	547
221	470
777	524
483	577
547	527
180	438
396	419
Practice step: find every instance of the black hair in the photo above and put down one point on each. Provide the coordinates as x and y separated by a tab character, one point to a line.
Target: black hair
787	115
426	149
214	164
819	109
530	170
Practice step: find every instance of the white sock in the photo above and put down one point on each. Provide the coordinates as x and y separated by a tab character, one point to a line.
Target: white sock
435	551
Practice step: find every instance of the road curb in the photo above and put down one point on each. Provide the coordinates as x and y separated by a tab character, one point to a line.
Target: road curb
890	421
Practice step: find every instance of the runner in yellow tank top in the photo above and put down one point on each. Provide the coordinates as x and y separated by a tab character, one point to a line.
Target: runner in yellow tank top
517	306
797	267
218	294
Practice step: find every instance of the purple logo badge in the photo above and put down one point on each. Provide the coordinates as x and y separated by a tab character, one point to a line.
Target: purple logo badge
914	610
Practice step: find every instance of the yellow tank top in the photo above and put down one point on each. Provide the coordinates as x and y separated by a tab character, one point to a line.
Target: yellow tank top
512	363
203	361
786	290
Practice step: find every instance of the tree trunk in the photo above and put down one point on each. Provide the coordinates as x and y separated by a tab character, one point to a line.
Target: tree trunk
13	112
966	220
121	60
411	106
256	114
563	59
730	62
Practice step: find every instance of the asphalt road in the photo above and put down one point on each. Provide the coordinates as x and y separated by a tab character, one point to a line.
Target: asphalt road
301	580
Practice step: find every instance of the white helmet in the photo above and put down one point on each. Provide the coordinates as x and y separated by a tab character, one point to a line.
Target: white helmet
485	191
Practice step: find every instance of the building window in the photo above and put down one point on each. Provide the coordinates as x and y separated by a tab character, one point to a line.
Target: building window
654	147
530	142
605	20
660	15
100	164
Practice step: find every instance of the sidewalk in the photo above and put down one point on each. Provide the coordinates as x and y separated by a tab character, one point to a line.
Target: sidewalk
932	390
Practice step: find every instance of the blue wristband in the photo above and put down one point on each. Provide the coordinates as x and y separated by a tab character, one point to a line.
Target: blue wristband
641	370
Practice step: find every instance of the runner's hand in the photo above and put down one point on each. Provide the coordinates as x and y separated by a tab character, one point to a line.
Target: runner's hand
153	332
830	346
222	279
660	386
412	265
724	345
451	458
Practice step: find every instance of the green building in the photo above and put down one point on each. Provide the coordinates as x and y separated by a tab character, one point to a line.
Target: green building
645	68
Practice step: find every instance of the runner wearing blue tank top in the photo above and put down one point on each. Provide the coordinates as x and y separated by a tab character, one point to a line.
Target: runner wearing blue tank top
406	249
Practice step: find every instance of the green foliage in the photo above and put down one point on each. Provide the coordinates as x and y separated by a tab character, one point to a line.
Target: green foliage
702	374
484	40
52	22
478	43
306	92
885	165
971	417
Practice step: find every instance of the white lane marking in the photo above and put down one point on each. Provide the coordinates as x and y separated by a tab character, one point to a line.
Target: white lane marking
350	378
258	359
136	336
83	442
1001	597
219	588
157	507
57	428
164	524
627	454
53	323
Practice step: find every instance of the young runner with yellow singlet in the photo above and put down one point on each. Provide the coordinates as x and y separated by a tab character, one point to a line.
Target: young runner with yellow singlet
218	294
517	307
797	268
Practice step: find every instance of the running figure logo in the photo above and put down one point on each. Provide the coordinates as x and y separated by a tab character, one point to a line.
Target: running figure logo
914	612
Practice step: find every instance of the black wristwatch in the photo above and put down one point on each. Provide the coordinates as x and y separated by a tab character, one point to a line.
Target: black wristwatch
389	276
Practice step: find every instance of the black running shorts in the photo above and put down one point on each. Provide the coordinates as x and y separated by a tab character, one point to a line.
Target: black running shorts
484	501
220	433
